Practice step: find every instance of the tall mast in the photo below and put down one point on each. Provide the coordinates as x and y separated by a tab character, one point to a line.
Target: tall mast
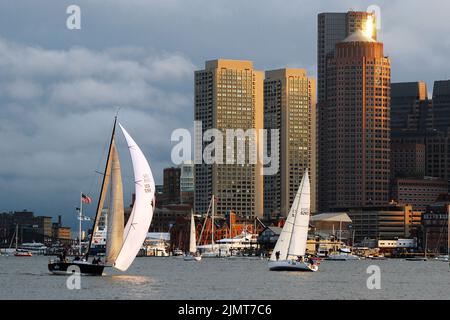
448	233
17	235
80	214
100	202
212	223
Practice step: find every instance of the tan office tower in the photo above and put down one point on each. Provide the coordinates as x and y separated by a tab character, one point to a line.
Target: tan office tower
289	106
229	95
356	155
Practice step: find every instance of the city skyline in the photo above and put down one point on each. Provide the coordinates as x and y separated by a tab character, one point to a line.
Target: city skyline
54	91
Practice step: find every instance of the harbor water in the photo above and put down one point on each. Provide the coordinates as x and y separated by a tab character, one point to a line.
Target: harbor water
222	278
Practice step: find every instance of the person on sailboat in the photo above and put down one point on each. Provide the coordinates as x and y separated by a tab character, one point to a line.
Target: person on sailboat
277	255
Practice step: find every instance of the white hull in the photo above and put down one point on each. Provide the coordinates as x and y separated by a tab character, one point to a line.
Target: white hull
190	257
291	265
342	257
442	258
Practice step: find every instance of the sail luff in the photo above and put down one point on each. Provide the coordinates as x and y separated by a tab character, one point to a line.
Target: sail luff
192	240
114	237
103	190
285	235
299	237
448	232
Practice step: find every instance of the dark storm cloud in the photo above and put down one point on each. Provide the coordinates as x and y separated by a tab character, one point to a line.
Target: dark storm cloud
59	88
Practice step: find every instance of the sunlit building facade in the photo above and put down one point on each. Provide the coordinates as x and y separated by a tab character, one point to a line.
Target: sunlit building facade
289	106
229	95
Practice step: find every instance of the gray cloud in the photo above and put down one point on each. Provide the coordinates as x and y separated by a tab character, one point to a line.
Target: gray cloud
57	108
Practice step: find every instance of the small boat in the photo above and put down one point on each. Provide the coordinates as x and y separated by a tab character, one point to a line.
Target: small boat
193	255
22	253
377	257
341	256
122	243
19	252
417	259
289	251
443	258
177	252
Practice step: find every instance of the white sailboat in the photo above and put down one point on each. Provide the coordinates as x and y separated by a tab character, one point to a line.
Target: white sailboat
213	250
122	243
193	255
289	251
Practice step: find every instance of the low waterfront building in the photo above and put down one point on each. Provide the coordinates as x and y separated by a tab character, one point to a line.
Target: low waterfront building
381	222
166	216
398	243
31	228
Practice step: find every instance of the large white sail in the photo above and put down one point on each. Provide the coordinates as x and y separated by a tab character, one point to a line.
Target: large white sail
115	211
448	232
293	224
142	213
297	247
192	240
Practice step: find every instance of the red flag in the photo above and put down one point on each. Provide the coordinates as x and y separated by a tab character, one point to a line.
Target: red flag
85	198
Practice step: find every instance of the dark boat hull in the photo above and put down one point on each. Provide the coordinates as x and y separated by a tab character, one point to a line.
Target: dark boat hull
65	268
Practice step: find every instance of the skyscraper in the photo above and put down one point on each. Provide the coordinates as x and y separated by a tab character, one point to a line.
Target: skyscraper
229	95
410	107
333	27
355	131
441	106
289	106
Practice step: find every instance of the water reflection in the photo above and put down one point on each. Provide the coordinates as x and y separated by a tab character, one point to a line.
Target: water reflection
136	280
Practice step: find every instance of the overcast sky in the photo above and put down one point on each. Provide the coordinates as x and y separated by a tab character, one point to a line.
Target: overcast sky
59	87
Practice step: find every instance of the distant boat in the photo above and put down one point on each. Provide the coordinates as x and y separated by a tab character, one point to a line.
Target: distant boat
193	255
177	252
122	244
341	256
213	250
417	259
19	252
289	251
443	258
344	254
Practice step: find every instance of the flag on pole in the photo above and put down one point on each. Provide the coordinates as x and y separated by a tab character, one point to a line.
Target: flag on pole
85	198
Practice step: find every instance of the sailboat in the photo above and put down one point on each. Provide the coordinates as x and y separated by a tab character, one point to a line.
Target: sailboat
213	250
122	243
20	252
289	251
193	254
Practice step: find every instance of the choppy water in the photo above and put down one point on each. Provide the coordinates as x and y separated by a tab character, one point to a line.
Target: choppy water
174	278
